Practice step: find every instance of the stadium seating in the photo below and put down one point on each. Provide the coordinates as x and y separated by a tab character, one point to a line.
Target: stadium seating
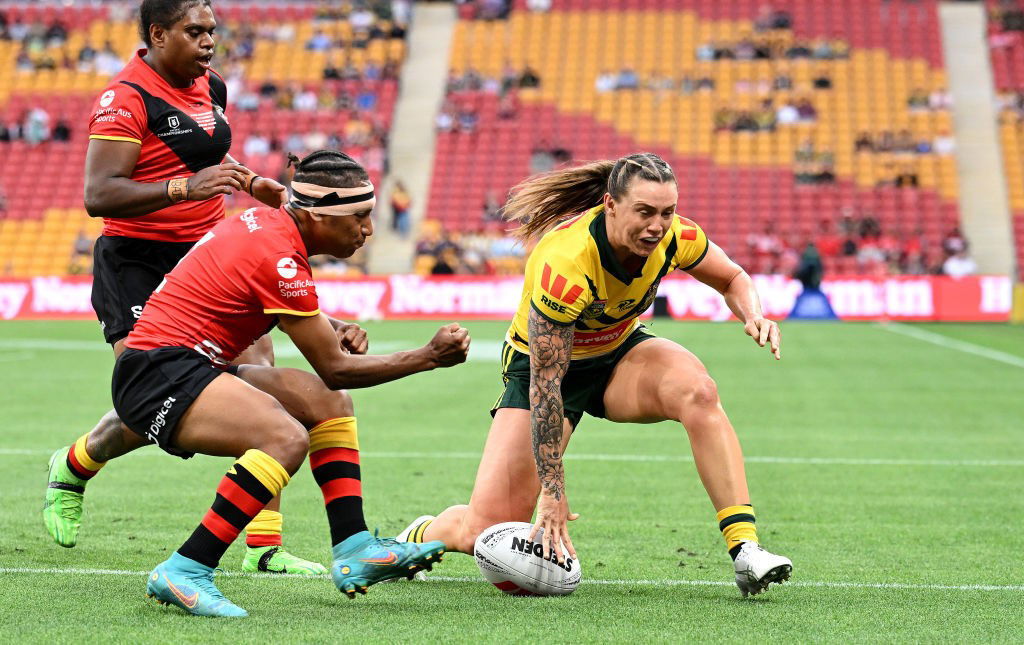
731	182
1007	48
41	184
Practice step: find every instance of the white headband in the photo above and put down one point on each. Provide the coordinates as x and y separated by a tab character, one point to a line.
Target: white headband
336	202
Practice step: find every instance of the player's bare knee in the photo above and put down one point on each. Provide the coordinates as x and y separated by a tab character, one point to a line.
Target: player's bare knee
288	443
331	404
700	393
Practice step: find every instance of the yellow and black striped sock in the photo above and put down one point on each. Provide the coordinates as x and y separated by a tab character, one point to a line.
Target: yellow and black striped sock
264	529
80	463
416	534
334	460
737	526
250	483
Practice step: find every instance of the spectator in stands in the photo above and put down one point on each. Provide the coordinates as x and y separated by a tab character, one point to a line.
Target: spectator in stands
745	48
940	99
705	51
108	63
529	78
863	143
538	5
806	111
24	62
468	120
304	100
627	79
918	100
541	159
765	116
401	202
907	177
787	114
944	143
445	119
256	145
954	242
319	42
508	106
822	81
37	126
959	265
827	241
61	131
3	202
492	207
799	49
605	82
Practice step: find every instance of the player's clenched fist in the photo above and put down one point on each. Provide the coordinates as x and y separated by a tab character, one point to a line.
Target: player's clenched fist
450	345
222	179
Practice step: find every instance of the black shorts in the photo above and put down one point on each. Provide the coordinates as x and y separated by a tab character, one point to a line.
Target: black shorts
582	388
153	388
125	271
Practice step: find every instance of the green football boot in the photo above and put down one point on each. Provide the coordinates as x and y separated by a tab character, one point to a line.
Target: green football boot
62	510
274	559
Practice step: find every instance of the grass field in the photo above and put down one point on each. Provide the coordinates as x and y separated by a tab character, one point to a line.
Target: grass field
886	461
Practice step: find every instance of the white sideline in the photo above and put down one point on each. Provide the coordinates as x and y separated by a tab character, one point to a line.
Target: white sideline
816	461
951	343
640	583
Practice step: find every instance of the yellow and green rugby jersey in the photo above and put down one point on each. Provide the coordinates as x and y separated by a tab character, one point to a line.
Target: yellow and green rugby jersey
574	278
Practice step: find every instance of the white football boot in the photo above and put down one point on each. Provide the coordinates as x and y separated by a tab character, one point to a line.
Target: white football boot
404	537
757	568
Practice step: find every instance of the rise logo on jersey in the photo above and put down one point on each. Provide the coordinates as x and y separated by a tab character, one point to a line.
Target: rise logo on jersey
180	130
230	288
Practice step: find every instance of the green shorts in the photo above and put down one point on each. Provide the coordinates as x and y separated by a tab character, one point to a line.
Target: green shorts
582	388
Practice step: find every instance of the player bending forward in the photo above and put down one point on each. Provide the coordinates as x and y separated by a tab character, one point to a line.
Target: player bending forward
576	345
174	383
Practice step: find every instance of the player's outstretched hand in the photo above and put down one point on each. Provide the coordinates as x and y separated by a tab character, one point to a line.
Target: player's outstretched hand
272	194
553	516
221	179
352	338
765	331
450	345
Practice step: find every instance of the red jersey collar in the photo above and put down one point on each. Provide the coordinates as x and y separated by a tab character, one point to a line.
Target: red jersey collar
293	232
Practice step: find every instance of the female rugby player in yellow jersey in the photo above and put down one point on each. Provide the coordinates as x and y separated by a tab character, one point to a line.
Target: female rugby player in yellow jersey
576	345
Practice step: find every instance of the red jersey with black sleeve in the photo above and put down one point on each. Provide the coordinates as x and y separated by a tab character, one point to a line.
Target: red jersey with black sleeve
181	131
228	290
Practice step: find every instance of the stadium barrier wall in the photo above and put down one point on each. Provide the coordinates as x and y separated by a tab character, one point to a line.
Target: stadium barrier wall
903	298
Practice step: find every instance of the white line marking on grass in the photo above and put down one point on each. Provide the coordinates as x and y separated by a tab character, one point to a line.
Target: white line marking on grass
952	343
616	583
816	461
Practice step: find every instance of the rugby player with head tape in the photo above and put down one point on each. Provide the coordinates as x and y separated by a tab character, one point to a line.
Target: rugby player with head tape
157	171
175	384
577	345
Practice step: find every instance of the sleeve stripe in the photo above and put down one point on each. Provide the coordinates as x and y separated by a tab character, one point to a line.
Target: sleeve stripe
560	323
292	312
707	245
106	137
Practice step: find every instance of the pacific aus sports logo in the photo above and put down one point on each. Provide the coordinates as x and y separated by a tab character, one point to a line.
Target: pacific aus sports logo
107	98
287	268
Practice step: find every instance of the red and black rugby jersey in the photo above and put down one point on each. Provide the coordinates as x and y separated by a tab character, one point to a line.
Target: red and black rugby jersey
230	288
181	131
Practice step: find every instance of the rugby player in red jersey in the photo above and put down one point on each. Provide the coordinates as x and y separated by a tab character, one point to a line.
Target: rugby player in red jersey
157	171
175	384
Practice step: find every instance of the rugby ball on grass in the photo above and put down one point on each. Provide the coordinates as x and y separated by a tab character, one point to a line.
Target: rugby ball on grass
514	564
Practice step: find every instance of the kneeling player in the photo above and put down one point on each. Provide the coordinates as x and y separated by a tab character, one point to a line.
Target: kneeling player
174	383
577	345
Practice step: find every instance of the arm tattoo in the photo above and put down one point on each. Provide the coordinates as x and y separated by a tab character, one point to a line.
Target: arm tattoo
550	349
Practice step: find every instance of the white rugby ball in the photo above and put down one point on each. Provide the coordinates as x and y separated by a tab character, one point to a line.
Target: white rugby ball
514	564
